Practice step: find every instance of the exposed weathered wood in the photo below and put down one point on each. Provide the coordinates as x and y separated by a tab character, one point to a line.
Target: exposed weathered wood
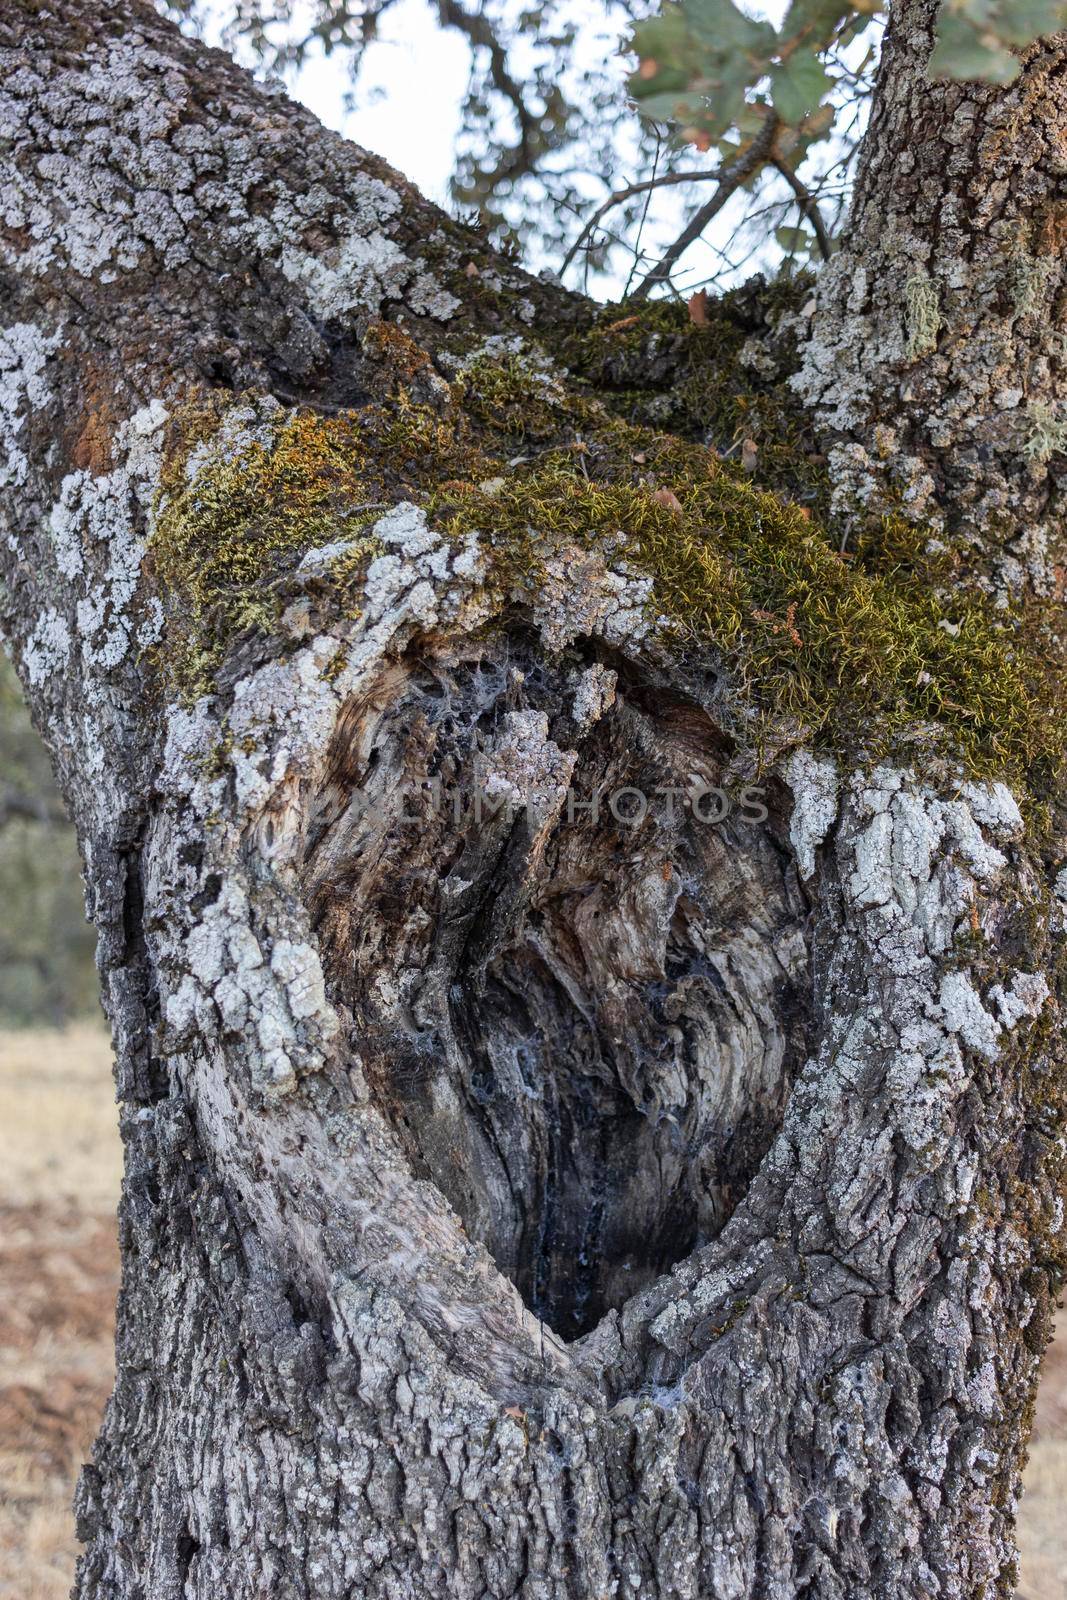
421	1106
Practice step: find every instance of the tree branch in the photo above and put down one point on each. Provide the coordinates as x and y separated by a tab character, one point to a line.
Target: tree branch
665	180
808	205
521	157
732	178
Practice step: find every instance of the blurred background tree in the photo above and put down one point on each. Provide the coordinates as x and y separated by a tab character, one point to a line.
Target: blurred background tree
47	974
633	147
558	155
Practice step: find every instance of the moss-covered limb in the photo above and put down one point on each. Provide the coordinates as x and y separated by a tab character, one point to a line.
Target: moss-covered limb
864	654
720	381
244	496
866	651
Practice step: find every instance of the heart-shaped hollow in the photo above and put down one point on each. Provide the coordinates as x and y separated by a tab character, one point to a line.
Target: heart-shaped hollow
577	969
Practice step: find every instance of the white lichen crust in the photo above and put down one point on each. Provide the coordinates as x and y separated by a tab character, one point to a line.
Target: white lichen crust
526	1197
934	357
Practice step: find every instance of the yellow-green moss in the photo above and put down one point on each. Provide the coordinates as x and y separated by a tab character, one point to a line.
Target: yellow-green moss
866	651
507	396
655	365
243	521
876	649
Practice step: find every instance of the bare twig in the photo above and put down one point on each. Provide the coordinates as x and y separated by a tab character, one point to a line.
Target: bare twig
609	233
730	179
638	255
808	206
662	181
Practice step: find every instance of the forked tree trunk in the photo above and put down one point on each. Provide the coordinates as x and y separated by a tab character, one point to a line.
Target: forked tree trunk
524	1204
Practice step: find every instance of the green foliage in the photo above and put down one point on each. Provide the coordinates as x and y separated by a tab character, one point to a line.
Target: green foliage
975	38
881	647
703	61
706	67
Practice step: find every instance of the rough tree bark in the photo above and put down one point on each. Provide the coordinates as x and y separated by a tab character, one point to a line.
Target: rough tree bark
526	1205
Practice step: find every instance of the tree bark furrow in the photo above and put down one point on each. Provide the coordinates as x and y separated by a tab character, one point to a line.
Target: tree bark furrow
522	1201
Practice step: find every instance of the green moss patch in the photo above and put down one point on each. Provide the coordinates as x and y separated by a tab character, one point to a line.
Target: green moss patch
244	519
881	647
654	365
866	652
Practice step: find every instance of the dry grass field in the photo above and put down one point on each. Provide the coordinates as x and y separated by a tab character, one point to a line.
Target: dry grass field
1043	1516
59	1175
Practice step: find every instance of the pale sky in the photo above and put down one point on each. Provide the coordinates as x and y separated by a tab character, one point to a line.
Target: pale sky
410	90
422	69
408	107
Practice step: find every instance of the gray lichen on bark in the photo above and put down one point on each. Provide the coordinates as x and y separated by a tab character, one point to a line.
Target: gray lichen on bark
514	1208
938	357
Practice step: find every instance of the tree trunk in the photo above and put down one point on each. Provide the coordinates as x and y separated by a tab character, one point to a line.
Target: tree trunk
521	1199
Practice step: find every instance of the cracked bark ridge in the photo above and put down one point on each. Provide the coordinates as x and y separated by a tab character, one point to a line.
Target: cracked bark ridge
529	1206
938	356
820	1394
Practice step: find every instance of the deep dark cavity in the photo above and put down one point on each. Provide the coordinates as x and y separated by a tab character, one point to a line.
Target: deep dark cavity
582	1031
